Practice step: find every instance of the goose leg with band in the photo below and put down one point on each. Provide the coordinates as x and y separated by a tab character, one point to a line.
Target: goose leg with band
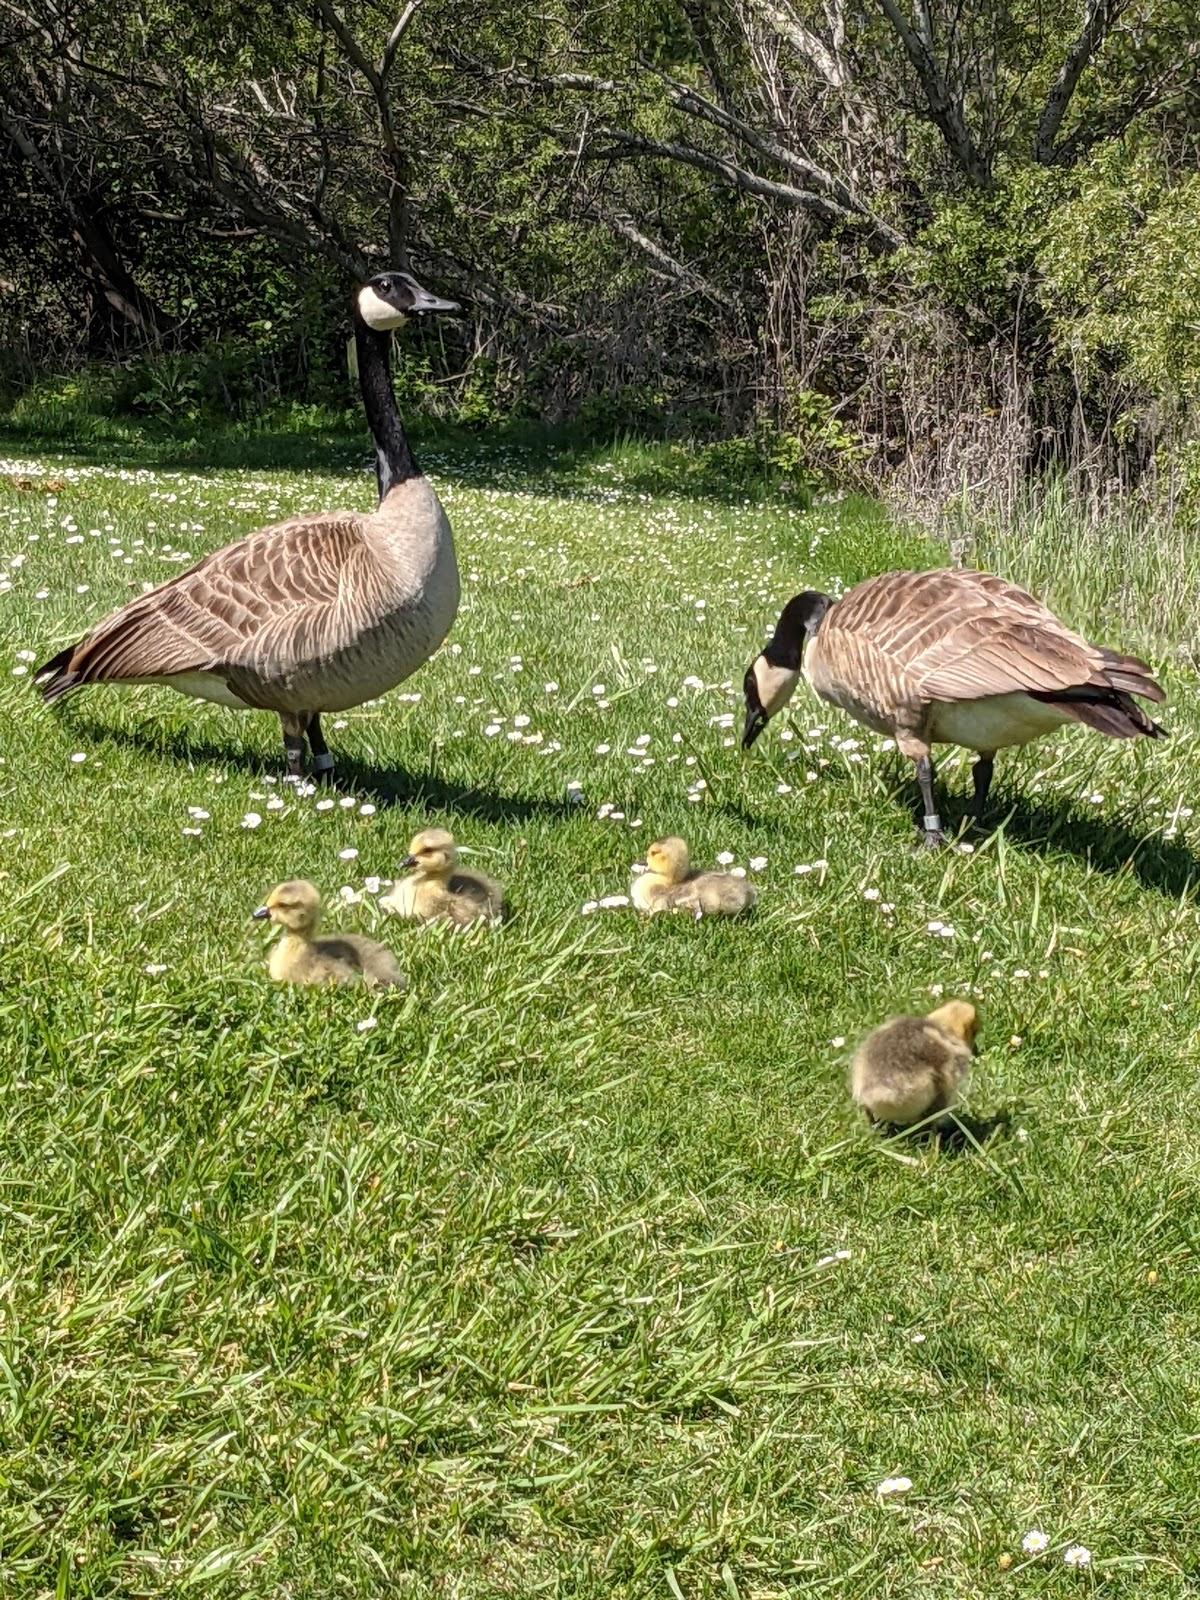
932	822
322	761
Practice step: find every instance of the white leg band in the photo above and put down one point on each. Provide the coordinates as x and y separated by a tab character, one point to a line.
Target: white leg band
933	824
323	762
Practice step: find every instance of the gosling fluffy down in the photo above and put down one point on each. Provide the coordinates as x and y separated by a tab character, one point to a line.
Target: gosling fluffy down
440	890
669	884
300	957
911	1068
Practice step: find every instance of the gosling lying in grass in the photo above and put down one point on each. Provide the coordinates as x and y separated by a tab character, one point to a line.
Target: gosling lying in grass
669	884
911	1068
440	890
300	957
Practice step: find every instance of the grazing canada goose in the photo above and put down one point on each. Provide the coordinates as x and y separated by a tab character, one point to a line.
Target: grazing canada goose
300	957
669	884
440	890
318	613
947	657
911	1068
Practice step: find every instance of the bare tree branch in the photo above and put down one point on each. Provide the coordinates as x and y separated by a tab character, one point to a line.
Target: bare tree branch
736	177
944	107
377	79
852	211
665	263
394	38
811	46
1110	121
1098	19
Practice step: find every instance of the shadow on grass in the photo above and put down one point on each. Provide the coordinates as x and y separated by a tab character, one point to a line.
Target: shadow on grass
1107	845
960	1134
384	789
533	458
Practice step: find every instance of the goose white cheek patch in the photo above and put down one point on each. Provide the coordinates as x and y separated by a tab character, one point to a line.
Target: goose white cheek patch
776	685
376	312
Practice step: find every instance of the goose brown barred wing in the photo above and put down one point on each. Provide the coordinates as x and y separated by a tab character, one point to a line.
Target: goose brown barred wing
279	596
962	635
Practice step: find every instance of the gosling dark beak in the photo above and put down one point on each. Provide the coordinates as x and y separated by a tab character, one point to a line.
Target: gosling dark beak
409	861
424	301
261	914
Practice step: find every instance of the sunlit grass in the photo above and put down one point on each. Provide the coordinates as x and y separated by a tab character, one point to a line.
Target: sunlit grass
576	1274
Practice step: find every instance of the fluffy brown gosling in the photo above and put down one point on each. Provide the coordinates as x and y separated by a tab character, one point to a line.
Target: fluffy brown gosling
440	890
669	884
300	957
911	1068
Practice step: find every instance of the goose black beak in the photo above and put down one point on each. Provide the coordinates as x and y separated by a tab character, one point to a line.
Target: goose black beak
261	914
409	861
756	721
425	301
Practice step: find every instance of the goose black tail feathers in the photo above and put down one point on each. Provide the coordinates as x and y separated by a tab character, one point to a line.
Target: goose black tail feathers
1109	711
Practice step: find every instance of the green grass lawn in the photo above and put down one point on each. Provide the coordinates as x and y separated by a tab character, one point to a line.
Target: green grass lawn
572	1272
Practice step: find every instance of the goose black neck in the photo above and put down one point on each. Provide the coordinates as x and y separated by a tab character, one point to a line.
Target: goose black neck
394	460
799	620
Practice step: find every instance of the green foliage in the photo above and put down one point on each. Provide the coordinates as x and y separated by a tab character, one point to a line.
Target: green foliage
646	237
168	388
632	408
1122	274
978	251
815	451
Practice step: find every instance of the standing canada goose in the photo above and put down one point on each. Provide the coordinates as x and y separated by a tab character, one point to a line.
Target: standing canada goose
947	657
669	884
440	890
318	613
300	957
912	1068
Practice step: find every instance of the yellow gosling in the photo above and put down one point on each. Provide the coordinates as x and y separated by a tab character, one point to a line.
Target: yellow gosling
440	889
669	884
300	957
911	1069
